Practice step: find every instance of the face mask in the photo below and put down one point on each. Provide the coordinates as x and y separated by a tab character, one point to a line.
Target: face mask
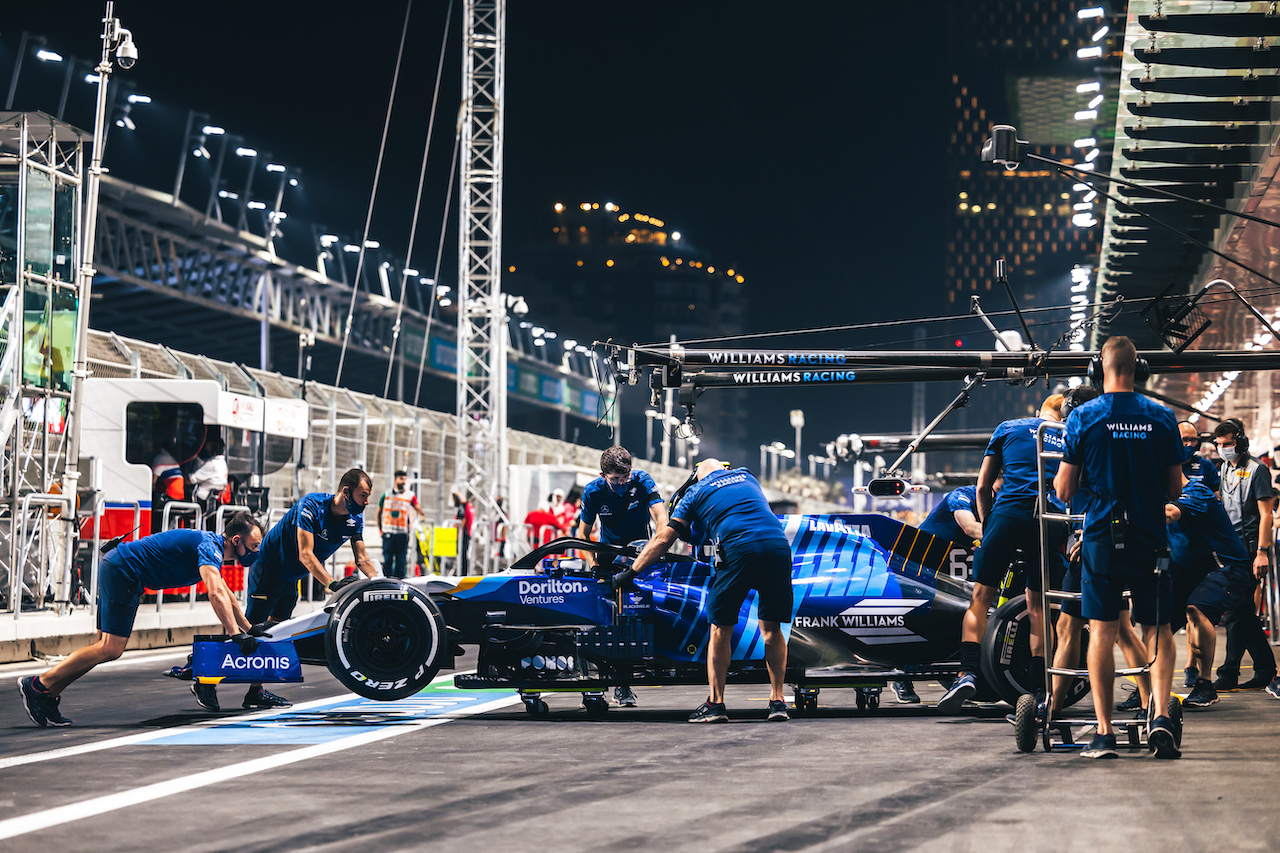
1228	454
250	557
353	508
1188	456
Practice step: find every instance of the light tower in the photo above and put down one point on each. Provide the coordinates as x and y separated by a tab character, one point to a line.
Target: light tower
482	342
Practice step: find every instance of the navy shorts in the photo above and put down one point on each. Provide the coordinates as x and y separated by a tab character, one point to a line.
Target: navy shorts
118	597
764	566
1108	573
1222	591
1071	583
270	596
1005	534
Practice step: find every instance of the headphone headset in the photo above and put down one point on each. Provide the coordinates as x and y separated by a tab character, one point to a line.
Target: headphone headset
1237	432
1141	371
1075	397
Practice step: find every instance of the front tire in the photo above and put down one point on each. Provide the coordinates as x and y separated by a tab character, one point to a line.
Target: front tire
1006	655
385	639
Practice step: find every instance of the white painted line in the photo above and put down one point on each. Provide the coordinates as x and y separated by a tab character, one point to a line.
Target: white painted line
36	669
147	793
233	719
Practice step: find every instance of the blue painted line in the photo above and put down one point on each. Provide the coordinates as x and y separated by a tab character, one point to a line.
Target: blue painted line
330	721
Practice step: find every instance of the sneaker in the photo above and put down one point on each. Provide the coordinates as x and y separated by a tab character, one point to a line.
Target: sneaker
624	696
1102	746
961	689
261	699
778	711
709	712
1273	689
182	673
1192	675
1258	682
1201	696
1226	683
1161	739
906	693
206	695
1131	703
41	707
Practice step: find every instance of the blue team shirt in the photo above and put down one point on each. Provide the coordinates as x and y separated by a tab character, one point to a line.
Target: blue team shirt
942	520
1202	470
1013	445
1124	444
731	507
1204	530
624	517
169	559
328	532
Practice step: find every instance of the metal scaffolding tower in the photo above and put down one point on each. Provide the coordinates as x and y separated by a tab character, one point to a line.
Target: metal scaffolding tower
482	388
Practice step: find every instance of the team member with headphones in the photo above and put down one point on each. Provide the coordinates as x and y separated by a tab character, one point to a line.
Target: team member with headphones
1246	496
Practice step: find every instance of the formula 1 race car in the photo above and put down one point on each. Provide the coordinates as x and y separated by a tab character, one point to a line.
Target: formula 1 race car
875	601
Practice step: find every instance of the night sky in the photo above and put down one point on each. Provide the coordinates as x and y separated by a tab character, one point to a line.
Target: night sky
802	145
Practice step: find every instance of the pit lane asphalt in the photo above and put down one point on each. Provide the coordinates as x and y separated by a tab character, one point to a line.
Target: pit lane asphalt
335	774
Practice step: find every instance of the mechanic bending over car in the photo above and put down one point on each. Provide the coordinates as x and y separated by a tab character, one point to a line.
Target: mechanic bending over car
164	560
954	519
752	553
311	532
1124	451
1009	524
625	501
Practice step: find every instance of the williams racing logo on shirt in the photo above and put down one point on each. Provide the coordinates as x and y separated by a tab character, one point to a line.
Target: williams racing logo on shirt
1126	432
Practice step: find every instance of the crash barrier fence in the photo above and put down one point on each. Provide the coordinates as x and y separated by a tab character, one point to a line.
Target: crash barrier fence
346	429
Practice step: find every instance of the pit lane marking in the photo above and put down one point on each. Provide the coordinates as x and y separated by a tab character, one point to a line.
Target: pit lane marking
111	664
112	802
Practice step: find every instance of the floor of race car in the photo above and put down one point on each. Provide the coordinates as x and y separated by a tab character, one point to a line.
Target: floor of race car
145	768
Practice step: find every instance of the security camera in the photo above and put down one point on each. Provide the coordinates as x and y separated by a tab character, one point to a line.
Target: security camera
127	52
1003	147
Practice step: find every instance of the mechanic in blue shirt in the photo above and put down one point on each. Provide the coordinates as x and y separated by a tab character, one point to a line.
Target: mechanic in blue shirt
1009	525
311	532
1126	450
753	554
1198	469
625	501
1210	560
165	560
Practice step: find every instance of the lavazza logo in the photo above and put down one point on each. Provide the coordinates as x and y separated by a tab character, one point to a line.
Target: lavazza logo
550	591
257	662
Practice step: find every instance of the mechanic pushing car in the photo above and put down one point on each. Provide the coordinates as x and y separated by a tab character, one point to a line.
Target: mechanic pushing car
310	533
752	553
1126	451
164	560
625	501
1009	524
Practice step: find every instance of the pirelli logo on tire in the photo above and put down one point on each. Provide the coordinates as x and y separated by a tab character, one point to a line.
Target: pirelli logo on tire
384	595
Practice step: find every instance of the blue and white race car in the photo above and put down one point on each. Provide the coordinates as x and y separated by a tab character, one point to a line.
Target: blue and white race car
875	601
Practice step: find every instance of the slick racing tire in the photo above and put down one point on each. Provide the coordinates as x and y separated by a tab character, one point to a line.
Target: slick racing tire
384	639
1005	655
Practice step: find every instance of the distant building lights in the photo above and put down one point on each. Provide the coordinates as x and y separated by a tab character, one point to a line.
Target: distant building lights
228	194
608	205
213	130
609	262
293	182
1090	12
1087	115
91	78
1090	196
559	207
729	273
246	152
372	244
1078	188
351	247
1093	104
1092	155
327	240
257	205
445	302
675	236
1089	53
739	279
1082	205
139	99
48	56
711	269
595	206
624	217
586	205
1084	220
1085	167
1101	33
1087	142
275	167
539	342
1086	88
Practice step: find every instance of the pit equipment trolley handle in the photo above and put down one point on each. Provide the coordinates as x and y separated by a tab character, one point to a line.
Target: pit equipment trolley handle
1028	724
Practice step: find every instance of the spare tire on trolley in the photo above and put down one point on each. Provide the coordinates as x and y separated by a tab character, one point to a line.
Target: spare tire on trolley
1005	654
384	639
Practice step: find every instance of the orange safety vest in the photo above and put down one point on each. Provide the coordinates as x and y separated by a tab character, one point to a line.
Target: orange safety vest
396	508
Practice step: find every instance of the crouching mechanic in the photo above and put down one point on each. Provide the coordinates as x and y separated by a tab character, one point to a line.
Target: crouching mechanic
310	533
754	554
162	561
